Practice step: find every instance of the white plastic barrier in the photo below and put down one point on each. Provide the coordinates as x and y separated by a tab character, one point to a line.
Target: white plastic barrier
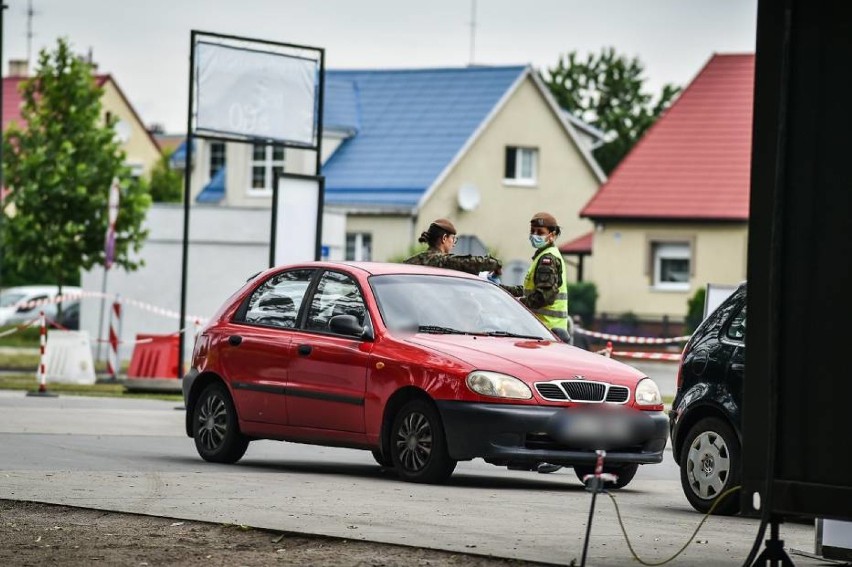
68	358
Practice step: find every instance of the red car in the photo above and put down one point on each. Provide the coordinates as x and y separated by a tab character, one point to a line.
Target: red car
423	367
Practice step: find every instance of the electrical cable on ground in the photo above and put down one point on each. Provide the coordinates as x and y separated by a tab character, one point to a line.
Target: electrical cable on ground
689	541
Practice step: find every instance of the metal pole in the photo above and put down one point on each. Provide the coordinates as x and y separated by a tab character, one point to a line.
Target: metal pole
187	176
320	204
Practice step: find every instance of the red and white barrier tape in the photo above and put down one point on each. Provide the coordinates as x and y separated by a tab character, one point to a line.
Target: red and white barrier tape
663	356
96	294
630	339
20	327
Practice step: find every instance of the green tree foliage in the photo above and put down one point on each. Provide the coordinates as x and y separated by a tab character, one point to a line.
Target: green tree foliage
582	300
606	91
695	310
60	168
166	185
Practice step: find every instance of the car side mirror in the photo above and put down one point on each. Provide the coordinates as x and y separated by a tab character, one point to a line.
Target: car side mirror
346	325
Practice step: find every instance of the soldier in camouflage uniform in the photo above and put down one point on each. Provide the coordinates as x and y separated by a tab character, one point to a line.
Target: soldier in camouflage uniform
441	237
545	289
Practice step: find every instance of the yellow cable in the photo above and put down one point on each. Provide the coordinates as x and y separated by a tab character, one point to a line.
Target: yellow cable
682	549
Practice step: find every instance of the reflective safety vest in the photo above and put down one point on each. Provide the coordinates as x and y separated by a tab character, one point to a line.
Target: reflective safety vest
554	315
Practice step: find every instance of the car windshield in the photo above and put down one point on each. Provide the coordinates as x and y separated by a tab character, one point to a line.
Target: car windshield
8	299
444	304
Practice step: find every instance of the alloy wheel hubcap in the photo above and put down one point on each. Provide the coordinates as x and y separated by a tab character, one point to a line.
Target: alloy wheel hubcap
213	422
708	465
414	442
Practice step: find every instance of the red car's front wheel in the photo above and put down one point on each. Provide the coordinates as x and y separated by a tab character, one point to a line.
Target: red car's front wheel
418	444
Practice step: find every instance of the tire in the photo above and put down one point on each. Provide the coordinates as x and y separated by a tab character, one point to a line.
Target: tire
710	464
215	427
418	444
383	461
625	473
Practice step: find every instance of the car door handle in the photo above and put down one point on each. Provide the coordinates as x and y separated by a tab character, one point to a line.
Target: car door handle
235	340
304	350
737	367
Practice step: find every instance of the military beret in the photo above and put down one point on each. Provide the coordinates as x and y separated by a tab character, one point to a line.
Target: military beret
445	224
544	219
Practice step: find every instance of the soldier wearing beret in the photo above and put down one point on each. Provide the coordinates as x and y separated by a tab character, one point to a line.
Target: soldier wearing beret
441	237
545	289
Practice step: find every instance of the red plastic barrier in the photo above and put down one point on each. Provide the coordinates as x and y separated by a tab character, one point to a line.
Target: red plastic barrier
155	357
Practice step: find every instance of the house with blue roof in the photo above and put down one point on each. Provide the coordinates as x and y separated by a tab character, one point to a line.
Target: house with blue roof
484	146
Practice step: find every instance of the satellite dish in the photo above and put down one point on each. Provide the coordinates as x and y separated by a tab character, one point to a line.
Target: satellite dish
122	131
468	197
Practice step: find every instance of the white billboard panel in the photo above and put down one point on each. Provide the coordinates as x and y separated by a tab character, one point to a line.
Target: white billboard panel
255	94
296	220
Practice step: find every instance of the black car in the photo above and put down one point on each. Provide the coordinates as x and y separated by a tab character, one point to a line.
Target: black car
706	413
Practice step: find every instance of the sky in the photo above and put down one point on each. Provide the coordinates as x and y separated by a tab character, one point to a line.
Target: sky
144	44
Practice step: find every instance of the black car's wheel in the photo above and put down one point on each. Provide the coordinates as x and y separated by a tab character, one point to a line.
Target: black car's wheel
625	473
215	428
709	465
383	460
418	445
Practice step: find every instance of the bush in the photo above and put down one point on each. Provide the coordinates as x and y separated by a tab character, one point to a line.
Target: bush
695	310
582	299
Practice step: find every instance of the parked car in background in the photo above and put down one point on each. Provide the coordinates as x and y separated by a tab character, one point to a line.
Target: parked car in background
706	417
16	302
423	367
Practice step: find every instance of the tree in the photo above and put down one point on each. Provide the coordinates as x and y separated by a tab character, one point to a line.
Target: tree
606	91
60	169
166	185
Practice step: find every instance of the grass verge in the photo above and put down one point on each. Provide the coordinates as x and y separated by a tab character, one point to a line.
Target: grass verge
28	382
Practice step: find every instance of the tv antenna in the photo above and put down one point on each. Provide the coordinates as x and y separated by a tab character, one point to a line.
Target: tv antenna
30	14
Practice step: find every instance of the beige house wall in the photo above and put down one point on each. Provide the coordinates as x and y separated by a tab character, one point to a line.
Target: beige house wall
565	181
624	274
390	233
140	148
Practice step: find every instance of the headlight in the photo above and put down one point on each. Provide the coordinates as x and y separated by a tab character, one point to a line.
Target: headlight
497	385
647	393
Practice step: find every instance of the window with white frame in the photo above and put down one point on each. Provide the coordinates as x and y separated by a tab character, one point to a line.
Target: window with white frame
672	265
265	161
217	157
521	165
359	246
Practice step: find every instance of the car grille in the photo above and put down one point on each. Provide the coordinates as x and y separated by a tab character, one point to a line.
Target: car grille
617	394
583	391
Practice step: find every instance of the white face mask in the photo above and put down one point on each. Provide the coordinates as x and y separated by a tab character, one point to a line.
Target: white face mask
538	241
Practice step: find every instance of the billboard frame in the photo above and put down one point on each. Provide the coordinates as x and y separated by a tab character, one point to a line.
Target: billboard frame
194	36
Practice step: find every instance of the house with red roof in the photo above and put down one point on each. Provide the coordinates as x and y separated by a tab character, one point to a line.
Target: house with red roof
139	145
673	216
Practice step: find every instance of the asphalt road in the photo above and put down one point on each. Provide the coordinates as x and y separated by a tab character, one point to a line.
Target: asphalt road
131	456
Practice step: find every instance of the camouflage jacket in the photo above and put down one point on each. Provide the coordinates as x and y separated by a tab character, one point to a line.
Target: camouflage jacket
547	280
469	264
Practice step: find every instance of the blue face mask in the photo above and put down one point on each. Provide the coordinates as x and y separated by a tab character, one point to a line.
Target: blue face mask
538	241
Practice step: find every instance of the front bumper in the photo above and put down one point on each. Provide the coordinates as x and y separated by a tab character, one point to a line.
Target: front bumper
505	433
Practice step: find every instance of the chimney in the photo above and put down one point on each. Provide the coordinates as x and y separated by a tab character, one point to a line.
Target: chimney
18	68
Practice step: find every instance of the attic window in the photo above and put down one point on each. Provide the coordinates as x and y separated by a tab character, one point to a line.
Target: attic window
521	167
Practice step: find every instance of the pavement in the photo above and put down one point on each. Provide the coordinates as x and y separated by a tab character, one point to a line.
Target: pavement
132	456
